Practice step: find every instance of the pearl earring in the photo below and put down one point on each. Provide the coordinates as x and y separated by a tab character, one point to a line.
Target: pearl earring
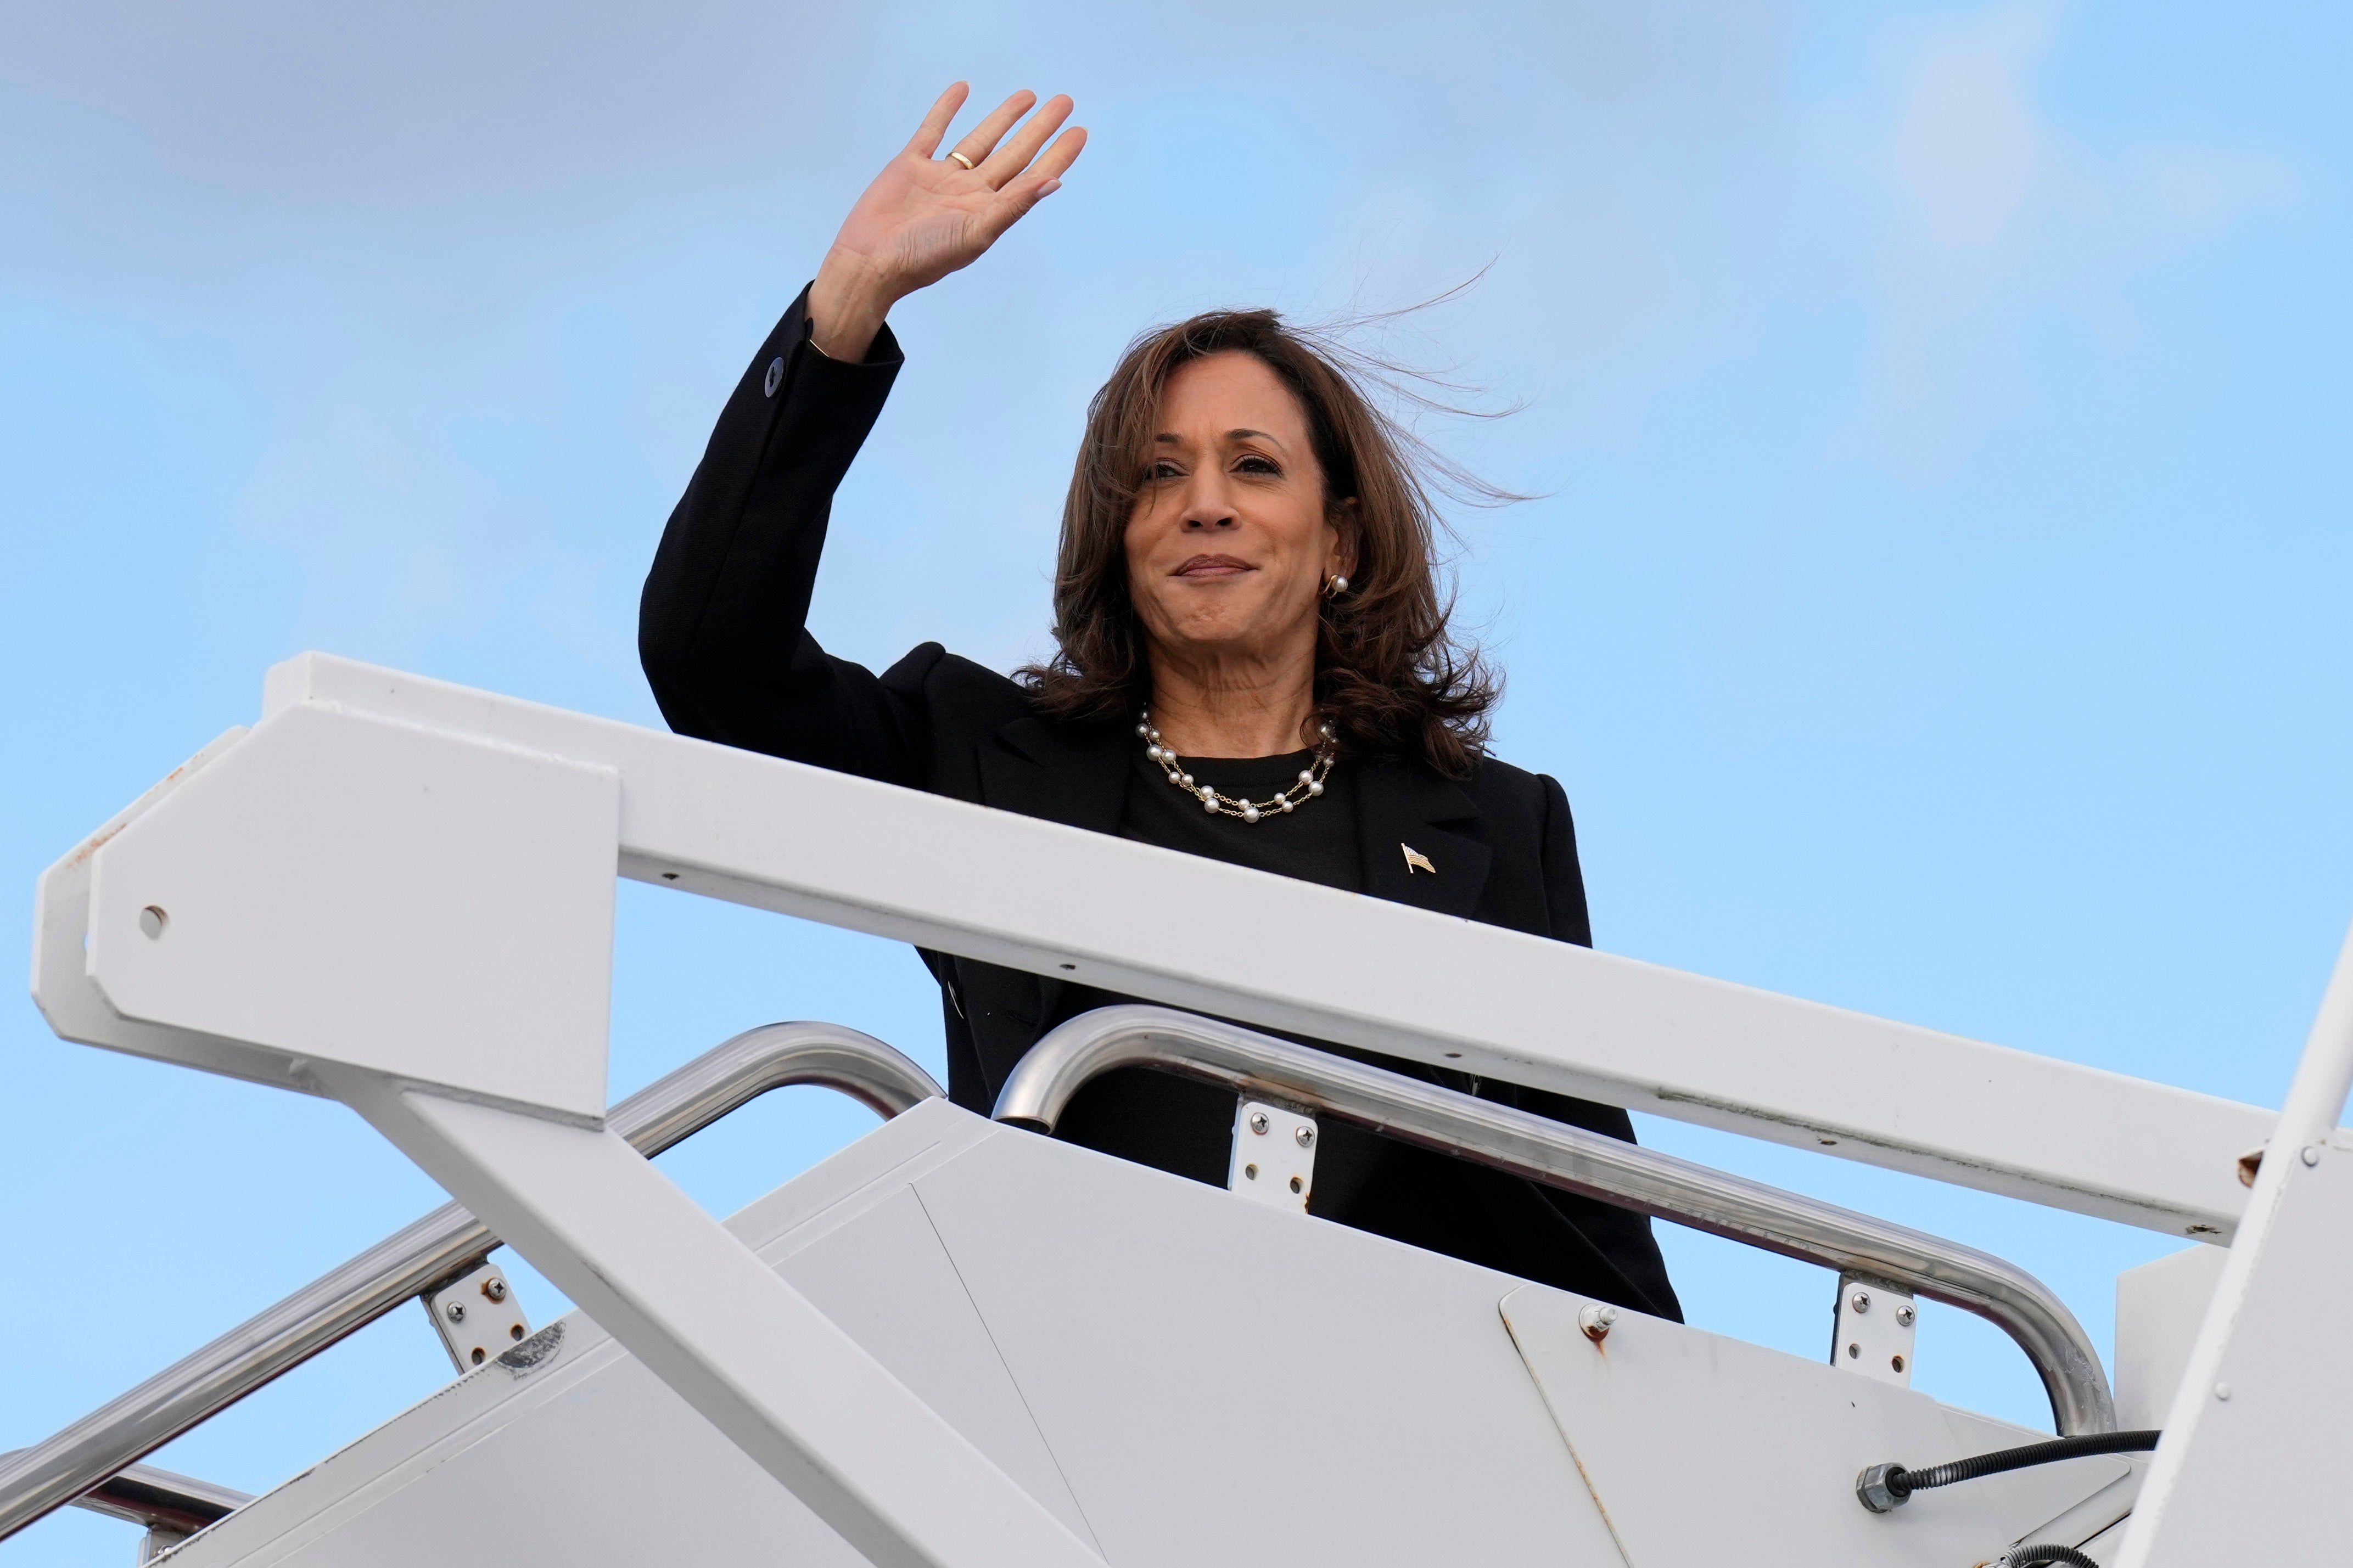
1336	587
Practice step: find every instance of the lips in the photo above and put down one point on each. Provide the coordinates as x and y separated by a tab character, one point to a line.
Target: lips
1213	566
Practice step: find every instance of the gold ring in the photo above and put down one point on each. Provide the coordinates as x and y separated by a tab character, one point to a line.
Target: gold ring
961	159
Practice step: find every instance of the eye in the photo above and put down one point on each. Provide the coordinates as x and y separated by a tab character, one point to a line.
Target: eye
1163	469
1257	463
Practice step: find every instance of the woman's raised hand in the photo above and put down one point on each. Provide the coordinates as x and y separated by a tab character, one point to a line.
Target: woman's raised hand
924	217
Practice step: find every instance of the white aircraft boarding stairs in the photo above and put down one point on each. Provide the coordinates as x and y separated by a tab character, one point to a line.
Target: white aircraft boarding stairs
958	1343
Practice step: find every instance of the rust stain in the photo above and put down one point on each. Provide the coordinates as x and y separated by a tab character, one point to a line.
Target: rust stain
98	840
93	843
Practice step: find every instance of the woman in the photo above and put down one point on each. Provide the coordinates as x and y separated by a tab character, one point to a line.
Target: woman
1254	666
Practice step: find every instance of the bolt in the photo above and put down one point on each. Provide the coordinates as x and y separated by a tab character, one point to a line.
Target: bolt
1258	1122
1904	1316
1896	1362
1853	1352
1306	1137
495	1289
153	920
1596	1321
1296	1185
2312	1154
454	1311
1859	1300
2221	1391
1251	1171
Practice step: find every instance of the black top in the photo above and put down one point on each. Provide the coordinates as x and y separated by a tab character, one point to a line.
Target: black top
1315	842
724	633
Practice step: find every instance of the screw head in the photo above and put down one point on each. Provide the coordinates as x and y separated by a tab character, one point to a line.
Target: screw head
2312	1154
1904	1316
454	1311
1296	1185
1860	1301
1258	1122
495	1289
1304	1137
152	922
1596	1321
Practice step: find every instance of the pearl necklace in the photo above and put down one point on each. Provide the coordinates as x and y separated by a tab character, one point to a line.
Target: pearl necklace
1309	785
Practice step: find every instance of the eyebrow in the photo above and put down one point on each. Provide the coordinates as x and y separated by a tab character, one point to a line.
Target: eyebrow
1169	438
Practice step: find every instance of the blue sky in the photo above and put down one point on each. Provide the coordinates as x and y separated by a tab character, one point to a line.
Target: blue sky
1935	604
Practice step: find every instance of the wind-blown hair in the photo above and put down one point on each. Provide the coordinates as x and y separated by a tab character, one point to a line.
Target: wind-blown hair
1390	673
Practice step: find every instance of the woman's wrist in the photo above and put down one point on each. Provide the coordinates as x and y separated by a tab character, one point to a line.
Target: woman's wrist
847	306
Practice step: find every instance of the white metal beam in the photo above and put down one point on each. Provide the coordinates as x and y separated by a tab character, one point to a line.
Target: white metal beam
1291	955
2251	1466
808	1403
1037	894
1287	955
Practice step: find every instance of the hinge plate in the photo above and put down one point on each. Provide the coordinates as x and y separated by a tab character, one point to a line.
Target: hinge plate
1876	1325
1274	1155
477	1316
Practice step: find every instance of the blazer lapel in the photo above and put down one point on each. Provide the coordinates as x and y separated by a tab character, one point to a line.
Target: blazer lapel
1408	816
1074	774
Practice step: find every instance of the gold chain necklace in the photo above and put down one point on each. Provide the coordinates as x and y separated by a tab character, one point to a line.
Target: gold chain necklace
1309	784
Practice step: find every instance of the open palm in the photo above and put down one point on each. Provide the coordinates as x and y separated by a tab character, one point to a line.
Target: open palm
925	216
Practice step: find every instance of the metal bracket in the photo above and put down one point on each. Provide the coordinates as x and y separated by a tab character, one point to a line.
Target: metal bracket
1274	1155
1875	1325
477	1316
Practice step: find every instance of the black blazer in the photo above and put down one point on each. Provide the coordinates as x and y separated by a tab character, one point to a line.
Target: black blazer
722	634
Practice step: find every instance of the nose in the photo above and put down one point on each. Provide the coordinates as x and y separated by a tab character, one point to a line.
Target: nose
1208	504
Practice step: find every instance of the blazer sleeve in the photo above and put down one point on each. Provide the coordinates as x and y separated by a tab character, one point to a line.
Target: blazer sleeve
1564	878
1623	1236
722	626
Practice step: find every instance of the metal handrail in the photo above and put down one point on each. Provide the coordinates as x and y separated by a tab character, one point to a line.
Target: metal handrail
1575	1160
35	1481
160	1500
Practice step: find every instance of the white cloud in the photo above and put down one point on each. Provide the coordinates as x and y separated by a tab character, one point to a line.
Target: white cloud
2001	215
1968	147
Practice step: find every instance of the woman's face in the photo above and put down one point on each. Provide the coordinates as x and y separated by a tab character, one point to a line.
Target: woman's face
1231	541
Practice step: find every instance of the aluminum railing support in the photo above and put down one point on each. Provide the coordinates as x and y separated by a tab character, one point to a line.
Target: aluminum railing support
37	1480
160	1500
1576	1161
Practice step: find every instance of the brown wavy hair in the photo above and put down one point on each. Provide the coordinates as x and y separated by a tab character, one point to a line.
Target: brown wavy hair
1390	674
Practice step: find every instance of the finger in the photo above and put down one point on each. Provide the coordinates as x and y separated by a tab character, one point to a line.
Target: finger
1014	156
935	123
1042	180
983	136
1059	157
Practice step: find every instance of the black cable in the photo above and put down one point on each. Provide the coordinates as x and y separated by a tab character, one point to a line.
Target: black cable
1993	1464
1884	1486
2048	1555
